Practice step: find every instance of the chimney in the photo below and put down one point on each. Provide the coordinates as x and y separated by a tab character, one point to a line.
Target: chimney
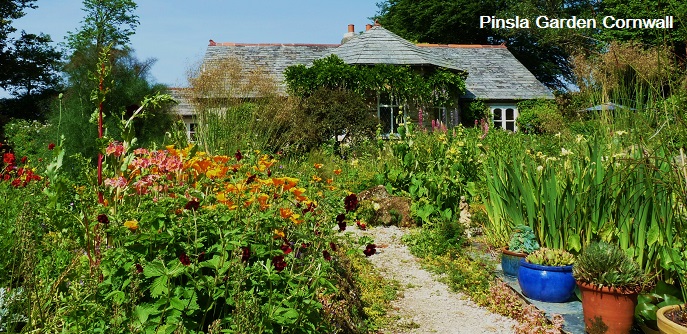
350	34
368	27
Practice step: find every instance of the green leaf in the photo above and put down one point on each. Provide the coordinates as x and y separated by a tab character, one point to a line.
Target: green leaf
653	235
154	269
574	243
159	287
286	316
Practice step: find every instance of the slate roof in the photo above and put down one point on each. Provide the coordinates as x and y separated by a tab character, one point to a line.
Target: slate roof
381	46
493	72
274	58
183	99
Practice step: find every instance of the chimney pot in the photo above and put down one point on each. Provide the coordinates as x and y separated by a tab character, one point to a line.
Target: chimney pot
368	27
351	28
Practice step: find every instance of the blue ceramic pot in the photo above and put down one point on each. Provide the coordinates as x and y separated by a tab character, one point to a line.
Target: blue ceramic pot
510	262
546	283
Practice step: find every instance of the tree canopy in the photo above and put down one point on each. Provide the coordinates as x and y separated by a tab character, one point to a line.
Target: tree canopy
28	63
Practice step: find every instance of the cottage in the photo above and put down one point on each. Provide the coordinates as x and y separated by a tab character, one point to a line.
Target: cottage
494	75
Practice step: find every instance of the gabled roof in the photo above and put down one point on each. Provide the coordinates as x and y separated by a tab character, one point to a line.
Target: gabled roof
381	46
493	72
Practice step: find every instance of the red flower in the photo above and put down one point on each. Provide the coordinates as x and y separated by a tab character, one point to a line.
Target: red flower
238	155
23	159
102	218
184	259
279	263
286	248
341	220
370	250
333	246
139	268
8	158
245	253
326	255
51	146
192	205
361	226
351	202
250	179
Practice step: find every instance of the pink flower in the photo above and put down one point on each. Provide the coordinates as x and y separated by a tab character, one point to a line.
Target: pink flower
119	182
115	148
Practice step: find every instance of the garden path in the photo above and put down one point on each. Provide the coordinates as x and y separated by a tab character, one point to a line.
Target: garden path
426	305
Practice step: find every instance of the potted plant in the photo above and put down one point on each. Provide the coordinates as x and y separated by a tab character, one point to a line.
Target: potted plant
648	304
546	275
672	319
522	242
609	283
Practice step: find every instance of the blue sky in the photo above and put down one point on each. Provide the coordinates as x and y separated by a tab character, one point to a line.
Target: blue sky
176	32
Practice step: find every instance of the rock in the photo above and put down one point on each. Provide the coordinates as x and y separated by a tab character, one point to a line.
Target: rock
378	207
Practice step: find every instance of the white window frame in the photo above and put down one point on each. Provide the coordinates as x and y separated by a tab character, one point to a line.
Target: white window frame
503	122
394	105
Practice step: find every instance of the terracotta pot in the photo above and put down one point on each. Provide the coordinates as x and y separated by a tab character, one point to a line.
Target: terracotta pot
665	325
614	307
510	262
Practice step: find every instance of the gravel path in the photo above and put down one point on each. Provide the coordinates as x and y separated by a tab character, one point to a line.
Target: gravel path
426	305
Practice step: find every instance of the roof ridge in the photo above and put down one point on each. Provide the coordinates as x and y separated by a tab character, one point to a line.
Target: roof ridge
271	44
476	46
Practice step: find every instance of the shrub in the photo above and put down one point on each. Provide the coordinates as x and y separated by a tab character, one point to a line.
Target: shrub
539	116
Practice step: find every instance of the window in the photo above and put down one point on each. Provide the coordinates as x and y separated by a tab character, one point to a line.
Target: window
191	131
389	112
504	117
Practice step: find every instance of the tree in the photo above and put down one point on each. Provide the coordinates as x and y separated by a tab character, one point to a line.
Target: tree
28	64
545	52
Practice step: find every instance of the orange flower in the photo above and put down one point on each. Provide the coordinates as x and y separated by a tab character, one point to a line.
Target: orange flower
132	225
221	159
290	183
316	178
285	212
329	181
318	166
294	219
262	199
279	234
337	171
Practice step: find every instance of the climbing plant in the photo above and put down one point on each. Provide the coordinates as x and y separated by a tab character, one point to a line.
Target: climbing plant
437	87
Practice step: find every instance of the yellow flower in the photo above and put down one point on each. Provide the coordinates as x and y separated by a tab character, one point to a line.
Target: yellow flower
279	234
316	178
318	166
295	220
132	225
337	171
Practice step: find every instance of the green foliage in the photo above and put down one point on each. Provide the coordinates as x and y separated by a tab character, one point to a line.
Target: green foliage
539	116
442	238
108	22
606	265
440	87
649	302
551	257
328	114
474	111
523	240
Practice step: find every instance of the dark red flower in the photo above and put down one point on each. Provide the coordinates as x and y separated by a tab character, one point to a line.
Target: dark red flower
201	257
326	255
6	177
23	159
311	208
333	246
250	179
184	259
245	253
370	250
16	183
102	218
8	158
279	262
341	220
238	155
192	205
361	226
51	146
269	173
286	248
351	202
139	268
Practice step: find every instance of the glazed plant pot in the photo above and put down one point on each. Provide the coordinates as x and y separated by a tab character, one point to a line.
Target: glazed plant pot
546	283
510	262
609	307
667	326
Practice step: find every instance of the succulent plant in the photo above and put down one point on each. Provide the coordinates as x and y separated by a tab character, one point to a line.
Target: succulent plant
523	240
605	265
551	257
